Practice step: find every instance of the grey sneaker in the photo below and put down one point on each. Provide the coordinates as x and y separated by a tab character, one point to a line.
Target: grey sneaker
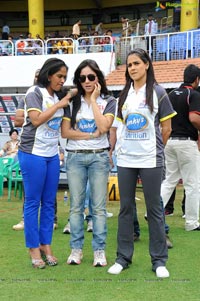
99	258
90	226
75	256
169	243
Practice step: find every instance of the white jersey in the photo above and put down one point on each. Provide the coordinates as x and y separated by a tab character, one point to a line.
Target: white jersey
139	140
41	140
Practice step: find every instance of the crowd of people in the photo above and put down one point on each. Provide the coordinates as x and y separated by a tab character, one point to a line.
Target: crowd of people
56	43
154	137
65	44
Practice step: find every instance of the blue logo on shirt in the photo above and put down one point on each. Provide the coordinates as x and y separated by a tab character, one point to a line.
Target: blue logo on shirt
87	125
136	122
54	123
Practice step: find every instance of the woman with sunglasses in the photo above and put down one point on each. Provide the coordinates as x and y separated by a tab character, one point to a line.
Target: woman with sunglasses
144	114
86	129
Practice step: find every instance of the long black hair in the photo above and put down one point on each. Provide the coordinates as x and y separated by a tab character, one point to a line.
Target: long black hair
50	67
77	99
143	55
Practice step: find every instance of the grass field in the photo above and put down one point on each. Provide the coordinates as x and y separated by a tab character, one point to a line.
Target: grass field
19	281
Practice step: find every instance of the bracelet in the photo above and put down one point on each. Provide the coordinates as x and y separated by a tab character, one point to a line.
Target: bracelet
91	136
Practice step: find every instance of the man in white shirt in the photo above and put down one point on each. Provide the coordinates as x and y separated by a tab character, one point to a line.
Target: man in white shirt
5	31
151	29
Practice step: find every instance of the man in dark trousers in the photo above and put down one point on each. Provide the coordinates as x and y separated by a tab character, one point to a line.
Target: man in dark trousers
181	151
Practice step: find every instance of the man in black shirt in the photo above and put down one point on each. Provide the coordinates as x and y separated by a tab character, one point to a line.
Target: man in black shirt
181	151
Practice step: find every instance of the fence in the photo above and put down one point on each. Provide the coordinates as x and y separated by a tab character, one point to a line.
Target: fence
161	47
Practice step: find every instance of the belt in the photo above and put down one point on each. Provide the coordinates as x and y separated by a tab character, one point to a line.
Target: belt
181	138
88	151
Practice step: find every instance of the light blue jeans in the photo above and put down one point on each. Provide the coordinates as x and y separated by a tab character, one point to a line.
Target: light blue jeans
92	167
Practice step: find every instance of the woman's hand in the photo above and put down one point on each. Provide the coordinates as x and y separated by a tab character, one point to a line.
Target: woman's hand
96	93
64	102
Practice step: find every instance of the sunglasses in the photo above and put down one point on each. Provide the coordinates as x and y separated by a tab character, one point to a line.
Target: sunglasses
91	78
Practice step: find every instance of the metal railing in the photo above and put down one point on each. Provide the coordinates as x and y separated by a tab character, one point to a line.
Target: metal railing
161	47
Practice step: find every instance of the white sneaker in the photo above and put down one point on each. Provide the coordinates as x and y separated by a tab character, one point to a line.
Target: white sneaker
99	258
75	256
183	216
19	226
115	269
66	229
162	272
90	226
109	214
55	226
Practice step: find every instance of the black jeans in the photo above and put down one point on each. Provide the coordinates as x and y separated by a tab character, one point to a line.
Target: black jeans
151	180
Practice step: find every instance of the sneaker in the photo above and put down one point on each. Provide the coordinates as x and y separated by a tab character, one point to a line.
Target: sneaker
66	229
109	214
162	272
90	226
75	256
169	213
169	243
115	269
19	226
183	216
99	258
55	226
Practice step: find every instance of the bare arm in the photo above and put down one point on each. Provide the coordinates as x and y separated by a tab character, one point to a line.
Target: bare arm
38	118
166	130
69	133
19	118
113	139
195	120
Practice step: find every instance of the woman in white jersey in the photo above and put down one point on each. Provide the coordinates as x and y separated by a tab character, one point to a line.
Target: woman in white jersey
39	160
143	109
86	129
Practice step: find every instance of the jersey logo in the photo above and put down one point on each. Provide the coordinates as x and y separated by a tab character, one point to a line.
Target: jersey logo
87	125
136	122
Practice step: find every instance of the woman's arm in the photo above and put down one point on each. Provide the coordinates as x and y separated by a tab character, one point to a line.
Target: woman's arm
166	130
69	133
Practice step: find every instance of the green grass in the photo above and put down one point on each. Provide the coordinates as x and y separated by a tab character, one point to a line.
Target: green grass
19	281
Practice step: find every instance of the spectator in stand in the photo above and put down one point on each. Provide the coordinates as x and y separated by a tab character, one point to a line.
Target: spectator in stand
62	46
150	30
76	30
5	31
99	29
29	48
20	45
84	43
107	44
96	47
10	148
126	27
70	45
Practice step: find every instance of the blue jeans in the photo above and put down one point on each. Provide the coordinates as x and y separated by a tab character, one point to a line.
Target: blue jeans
40	177
92	167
